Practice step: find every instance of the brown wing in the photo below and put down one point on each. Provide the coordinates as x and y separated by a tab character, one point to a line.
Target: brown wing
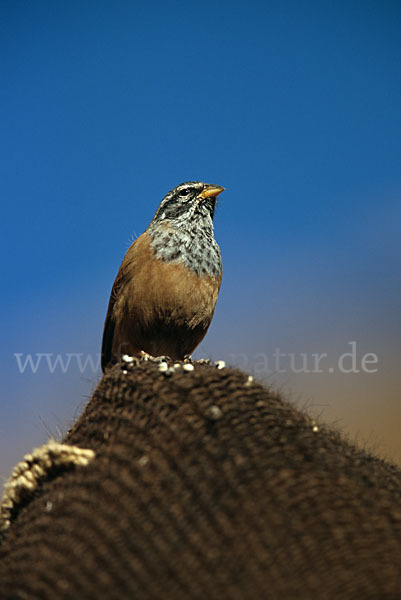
109	324
123	276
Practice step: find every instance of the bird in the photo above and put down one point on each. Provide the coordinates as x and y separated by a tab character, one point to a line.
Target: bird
165	293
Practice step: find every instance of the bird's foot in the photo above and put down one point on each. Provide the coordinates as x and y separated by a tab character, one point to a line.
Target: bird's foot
163	358
157	359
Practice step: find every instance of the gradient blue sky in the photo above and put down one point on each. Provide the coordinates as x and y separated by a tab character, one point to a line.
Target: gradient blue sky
293	107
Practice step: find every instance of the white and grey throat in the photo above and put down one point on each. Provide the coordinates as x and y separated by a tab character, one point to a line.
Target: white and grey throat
190	242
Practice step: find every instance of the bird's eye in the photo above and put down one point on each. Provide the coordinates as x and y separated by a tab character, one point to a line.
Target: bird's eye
185	192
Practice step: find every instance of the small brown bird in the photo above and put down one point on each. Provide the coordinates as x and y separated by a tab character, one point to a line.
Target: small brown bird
165	293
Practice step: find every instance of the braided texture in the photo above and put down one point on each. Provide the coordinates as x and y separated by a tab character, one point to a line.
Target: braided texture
204	484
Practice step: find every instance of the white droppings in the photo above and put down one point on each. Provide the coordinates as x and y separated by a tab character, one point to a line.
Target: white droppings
49	506
165	369
215	412
220	364
127	358
143	461
249	381
188	367
315	428
124	372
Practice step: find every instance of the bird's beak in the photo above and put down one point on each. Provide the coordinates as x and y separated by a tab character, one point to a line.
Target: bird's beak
211	191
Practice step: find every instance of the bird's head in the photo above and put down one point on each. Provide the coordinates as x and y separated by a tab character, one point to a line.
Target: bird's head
188	201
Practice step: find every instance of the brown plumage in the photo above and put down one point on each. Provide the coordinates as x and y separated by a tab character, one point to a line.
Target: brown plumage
165	292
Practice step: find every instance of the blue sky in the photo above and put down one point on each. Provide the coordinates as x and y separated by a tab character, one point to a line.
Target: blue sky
293	107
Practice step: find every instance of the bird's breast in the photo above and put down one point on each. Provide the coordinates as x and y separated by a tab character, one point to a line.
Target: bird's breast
192	245
166	289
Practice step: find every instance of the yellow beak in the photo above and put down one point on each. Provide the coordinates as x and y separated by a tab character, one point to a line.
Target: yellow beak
211	191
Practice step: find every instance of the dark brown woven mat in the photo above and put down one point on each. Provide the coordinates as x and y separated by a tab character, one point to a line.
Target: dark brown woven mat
205	485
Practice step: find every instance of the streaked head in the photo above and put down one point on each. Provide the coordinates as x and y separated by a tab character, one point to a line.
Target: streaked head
188	199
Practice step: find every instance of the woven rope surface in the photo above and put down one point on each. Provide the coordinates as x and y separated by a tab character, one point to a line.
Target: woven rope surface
206	486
